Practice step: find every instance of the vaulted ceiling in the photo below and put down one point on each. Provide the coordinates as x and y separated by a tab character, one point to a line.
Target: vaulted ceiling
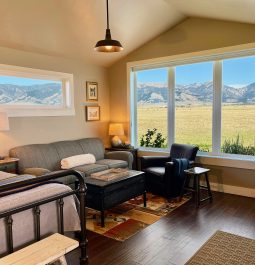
70	28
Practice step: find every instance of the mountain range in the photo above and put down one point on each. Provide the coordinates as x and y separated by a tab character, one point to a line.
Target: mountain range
43	94
197	93
147	93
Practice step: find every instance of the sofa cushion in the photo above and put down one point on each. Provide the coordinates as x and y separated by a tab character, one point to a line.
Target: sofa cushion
93	146
36	156
67	149
68	180
112	163
92	168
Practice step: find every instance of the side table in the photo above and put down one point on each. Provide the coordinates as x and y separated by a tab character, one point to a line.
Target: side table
131	150
9	165
197	172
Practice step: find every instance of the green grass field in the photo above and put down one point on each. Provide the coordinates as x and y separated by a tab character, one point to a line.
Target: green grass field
194	124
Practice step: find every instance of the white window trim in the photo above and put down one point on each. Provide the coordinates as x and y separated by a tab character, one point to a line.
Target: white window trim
67	109
234	162
216	118
188	58
171	105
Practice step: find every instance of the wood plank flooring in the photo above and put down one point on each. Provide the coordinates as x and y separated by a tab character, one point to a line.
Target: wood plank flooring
176	237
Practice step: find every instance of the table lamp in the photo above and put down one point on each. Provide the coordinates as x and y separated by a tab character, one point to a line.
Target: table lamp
116	130
4	125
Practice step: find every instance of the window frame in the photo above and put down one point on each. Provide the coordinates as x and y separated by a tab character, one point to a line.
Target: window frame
22	110
216	56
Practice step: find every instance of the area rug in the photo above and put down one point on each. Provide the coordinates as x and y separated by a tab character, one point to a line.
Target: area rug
125	220
225	249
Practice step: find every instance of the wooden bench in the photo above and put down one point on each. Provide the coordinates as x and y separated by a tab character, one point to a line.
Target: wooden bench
48	250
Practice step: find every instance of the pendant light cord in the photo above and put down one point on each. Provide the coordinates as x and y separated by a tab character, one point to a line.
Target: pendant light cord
107	14
108	44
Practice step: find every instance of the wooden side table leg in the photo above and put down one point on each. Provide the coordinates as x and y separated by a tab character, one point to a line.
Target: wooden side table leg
62	260
208	187
197	183
17	167
194	195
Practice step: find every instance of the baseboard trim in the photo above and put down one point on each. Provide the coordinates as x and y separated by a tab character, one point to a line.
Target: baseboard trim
242	191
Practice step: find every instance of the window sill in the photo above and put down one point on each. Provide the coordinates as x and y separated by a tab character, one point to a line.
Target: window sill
226	161
208	159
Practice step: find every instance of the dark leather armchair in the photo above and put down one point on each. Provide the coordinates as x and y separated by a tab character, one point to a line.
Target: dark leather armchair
164	174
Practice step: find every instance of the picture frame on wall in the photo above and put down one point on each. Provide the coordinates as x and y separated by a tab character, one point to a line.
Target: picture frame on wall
92	113
92	91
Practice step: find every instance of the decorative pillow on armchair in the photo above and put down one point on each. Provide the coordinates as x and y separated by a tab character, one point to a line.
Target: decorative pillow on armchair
78	160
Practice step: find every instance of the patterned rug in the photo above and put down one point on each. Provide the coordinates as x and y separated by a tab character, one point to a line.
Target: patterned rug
126	219
225	249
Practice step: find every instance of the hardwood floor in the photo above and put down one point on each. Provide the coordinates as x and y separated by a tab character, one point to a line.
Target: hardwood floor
176	237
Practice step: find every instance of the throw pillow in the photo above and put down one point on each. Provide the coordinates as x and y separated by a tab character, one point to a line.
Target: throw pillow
78	160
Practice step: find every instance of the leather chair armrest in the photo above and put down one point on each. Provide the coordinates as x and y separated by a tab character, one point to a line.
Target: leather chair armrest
169	167
36	171
121	155
154	161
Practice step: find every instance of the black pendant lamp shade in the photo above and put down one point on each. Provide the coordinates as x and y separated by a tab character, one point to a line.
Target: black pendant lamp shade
108	44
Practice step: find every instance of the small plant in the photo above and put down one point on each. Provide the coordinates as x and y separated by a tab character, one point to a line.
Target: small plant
153	139
204	147
237	147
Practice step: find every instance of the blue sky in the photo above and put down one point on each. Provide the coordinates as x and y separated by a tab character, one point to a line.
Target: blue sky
24	81
236	72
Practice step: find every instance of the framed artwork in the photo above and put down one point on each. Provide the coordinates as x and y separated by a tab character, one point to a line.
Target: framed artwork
92	113
92	91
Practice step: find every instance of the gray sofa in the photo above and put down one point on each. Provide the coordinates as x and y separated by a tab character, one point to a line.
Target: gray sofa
39	159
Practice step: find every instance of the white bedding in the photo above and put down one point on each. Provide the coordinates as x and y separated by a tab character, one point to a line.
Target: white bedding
5	175
23	222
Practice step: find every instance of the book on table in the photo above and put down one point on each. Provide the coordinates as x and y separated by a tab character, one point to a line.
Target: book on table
110	174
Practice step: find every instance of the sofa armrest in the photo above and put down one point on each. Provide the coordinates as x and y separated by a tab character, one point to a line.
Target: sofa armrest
36	171
121	155
154	161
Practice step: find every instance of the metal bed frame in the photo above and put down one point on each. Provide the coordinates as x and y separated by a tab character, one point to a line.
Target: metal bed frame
80	191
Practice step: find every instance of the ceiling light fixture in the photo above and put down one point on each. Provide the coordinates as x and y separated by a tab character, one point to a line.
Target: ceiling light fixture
108	44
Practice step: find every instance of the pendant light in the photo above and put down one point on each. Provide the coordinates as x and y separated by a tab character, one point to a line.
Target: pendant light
108	44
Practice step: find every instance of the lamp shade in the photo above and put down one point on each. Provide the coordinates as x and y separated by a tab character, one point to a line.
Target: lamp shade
4	122
108	44
116	129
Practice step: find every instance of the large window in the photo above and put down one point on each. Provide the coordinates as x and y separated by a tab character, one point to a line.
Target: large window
208	103
34	92
238	106
193	105
152	98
